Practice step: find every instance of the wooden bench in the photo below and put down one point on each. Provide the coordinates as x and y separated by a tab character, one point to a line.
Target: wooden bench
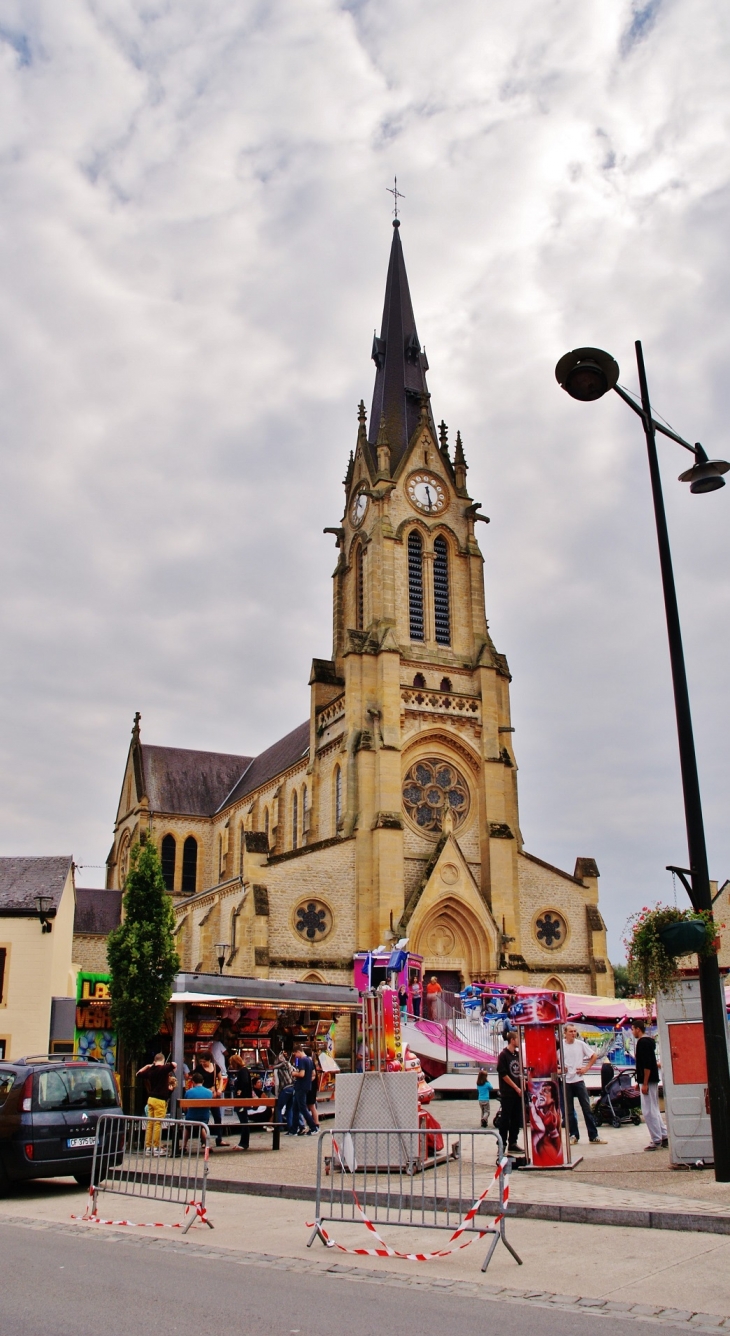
255	1103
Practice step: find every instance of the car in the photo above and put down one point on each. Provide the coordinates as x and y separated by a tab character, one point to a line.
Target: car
49	1108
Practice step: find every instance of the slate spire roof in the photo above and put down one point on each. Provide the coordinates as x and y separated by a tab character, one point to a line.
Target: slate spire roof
400	379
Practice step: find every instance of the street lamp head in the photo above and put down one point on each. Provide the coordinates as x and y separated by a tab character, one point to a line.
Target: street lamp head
705	474
221	948
587	373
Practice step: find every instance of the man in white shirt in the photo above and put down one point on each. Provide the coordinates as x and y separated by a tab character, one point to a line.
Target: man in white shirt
579	1058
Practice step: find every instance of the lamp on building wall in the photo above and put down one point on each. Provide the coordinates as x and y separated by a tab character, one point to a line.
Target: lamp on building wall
220	950
587	374
45	905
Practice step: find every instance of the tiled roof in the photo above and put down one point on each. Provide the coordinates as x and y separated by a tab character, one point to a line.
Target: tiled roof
97	910
191	782
272	762
22	879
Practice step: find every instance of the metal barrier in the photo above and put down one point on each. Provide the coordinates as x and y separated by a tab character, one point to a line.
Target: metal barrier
433	1178
162	1160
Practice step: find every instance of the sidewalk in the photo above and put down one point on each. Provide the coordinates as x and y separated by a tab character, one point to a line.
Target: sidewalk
618	1183
677	1280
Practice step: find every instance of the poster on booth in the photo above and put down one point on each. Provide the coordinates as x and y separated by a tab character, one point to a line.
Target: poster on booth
93	1034
540	1057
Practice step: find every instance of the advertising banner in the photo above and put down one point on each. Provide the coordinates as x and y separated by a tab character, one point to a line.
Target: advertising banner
93	1034
540	1058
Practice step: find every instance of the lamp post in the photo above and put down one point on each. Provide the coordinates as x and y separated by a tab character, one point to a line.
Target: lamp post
45	905
587	374
220	950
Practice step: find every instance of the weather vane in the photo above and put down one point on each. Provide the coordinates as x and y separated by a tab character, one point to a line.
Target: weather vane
395	192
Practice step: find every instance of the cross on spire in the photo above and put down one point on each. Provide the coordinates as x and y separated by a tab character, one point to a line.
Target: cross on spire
395	192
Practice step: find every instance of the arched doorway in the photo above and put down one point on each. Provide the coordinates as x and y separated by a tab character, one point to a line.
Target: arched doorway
453	942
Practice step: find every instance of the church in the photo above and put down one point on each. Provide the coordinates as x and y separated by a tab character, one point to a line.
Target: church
392	810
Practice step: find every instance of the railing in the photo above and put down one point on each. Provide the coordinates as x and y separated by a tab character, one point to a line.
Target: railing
431	1178
157	1159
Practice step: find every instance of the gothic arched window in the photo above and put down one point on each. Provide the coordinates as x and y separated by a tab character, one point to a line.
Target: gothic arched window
168	862
294	819
446	684
359	587
266	824
190	865
338	797
415	584
305	810
442	612
241	847
419	681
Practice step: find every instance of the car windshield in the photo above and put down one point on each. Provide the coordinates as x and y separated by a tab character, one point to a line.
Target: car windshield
7	1081
76	1088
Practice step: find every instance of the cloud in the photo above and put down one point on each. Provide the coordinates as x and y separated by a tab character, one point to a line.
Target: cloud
192	259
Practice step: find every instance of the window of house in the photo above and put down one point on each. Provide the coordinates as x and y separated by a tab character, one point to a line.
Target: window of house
294	819
419	681
168	862
3	960
442	611
359	587
415	584
190	865
338	797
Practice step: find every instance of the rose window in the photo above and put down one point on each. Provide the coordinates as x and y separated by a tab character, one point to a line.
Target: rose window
313	920
430	789
550	929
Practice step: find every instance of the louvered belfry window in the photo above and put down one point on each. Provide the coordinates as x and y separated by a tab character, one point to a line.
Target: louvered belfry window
415	584
442	614
359	588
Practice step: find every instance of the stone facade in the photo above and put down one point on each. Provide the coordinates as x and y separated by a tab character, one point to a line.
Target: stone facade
393	811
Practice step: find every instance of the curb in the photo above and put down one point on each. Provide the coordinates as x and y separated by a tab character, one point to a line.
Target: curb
631	1217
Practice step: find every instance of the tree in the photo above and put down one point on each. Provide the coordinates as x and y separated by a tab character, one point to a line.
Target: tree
141	952
621	977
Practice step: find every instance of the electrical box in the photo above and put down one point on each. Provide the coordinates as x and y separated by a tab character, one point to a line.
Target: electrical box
684	1074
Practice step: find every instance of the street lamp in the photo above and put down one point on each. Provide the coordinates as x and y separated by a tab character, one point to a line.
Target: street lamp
587	374
45	905
220	950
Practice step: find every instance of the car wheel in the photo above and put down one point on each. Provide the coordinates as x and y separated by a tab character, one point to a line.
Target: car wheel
83	1180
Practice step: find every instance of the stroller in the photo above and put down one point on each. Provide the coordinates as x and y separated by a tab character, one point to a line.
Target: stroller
619	1101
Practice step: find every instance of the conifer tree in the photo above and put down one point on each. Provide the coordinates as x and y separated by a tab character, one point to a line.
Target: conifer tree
141	952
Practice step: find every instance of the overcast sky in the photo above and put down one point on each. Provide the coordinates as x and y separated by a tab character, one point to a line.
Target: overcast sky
193	245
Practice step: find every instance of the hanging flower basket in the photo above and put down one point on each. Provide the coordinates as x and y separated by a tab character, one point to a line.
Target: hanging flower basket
656	939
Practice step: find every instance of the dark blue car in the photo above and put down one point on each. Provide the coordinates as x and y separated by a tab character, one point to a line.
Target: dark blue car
49	1108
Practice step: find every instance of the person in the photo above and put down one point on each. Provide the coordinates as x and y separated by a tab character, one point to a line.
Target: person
509	1119
416	997
284	1076
403	1003
484	1094
210	1076
579	1057
304	1068
433	993
240	1087
312	1092
156	1076
647	1076
202	1115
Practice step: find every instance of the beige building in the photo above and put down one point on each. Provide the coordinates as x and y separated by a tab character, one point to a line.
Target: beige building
37	904
392	811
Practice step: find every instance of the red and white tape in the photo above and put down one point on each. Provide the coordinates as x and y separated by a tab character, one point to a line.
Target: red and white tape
504	1166
91	1217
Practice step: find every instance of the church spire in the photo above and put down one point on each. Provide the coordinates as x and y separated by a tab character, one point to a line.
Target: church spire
400	379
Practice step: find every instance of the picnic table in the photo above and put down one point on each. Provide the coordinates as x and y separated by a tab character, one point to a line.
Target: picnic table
254	1103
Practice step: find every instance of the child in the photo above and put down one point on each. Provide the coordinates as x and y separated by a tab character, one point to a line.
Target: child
484	1094
201	1115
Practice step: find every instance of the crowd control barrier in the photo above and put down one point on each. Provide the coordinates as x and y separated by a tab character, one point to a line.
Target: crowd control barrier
427	1179
171	1172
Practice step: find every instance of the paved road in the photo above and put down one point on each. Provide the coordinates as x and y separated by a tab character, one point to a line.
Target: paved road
54	1282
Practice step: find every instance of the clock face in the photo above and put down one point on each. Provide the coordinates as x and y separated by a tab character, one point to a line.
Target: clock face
427	493
358	508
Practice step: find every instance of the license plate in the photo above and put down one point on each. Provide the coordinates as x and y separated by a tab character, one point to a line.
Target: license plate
74	1143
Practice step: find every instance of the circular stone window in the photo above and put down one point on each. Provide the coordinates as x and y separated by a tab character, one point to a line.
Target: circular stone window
550	929
313	920
430	789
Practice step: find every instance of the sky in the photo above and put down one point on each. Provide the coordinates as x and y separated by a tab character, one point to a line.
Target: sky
193	244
